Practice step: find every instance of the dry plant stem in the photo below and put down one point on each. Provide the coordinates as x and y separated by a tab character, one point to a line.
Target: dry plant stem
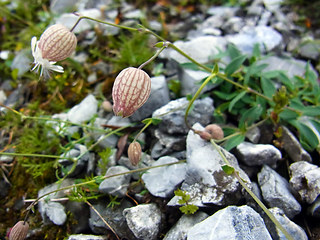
257	200
105	222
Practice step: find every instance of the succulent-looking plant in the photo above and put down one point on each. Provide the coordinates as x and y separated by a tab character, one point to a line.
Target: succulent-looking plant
55	44
130	91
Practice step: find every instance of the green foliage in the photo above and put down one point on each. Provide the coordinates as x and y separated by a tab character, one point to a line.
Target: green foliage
85	192
184	200
105	159
113	201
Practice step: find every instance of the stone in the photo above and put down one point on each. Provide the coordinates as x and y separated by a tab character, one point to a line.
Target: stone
305	179
253	135
21	62
272	5
293	147
53	211
233	25
83	111
224	11
310	49
162	181
205	181
294	230
276	192
86	237
173	121
81	213
118	185
179	230
62	6
79	150
258	154
3	96
314	209
144	220
201	49
113	216
265	36
159	97
191	81
170	142
231	223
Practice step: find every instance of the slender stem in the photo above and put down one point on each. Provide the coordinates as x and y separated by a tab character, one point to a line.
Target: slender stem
153	57
258	201
33	155
141	131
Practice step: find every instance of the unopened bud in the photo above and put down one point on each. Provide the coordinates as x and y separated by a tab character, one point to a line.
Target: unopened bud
212	131
134	153
57	43
130	91
19	231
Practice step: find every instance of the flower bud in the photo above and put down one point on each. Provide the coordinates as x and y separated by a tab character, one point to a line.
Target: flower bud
134	153
212	131
19	231
130	91
57	43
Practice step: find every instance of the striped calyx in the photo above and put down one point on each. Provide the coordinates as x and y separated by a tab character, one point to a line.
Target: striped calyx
19	231
57	43
131	89
134	153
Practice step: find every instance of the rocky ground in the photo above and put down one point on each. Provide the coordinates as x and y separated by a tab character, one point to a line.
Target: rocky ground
284	176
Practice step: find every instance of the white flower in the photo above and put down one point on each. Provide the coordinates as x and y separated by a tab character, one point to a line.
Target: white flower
41	63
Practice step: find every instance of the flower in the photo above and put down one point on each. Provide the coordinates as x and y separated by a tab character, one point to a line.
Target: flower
130	91
55	44
19	231
134	153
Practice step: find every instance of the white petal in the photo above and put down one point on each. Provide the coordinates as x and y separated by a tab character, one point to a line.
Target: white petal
33	45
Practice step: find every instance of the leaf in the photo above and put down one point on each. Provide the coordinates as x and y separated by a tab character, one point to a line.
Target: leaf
312	111
224	95
154	121
285	80
121	145
215	70
268	87
189	209
233	142
250	116
306	134
227	169
234	65
233	51
235	100
288	115
256	50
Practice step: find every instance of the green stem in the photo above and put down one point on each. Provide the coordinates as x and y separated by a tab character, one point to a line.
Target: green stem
141	131
154	56
32	155
258	201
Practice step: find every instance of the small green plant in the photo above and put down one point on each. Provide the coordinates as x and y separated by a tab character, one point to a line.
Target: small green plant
187	208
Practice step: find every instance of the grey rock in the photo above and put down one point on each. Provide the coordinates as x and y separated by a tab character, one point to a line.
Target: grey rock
206	182
118	185
83	111
159	150
3	96
62	6
266	37
69	19
292	66
179	230
144	220
258	154
233	25
253	134
293	147
202	49
265	18
171	142
191	81
273	5
310	49
161	182
305	179
53	211
86	237
276	192
22	62
295	231
314	209
113	216
80	212
173	121
159	97
224	11
231	223
78	150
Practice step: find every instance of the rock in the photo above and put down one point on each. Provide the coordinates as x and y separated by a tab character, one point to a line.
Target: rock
310	49
272	5
258	154
266	37
113	216
159	97
295	231
292	66
144	220
173	121
233	25
69	19
21	62
118	185
224	11
253	135
83	111
276	192
314	209
191	81
86	237
169	142
179	230
61	6
206	182
293	147
202	49
80	213
230	223
3	96
53	211
161	182
305	179
79	150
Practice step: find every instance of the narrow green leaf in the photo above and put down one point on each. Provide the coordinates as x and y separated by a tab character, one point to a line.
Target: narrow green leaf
233	51
306	134
215	69
154	121
268	87
224	95
256	50
236	99
235	64
228	169
233	142
312	111
250	116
